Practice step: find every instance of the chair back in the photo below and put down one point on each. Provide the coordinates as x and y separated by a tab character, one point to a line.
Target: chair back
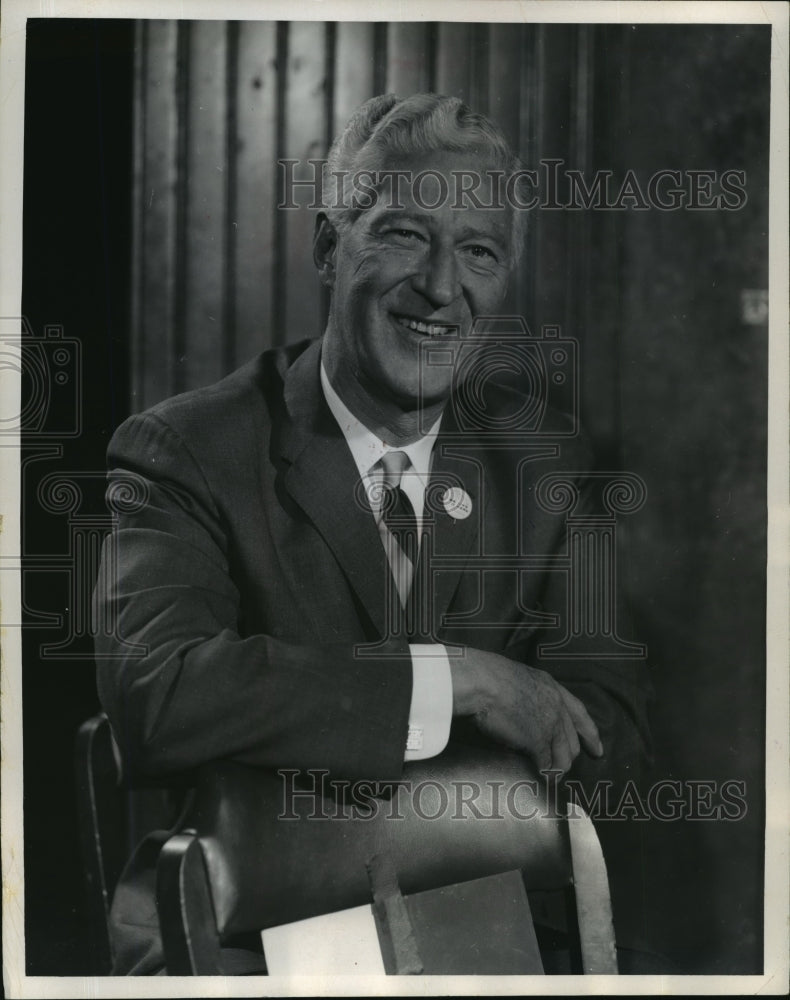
258	849
464	815
101	827
113	818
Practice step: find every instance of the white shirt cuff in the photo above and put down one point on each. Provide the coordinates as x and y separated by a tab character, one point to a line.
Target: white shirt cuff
431	711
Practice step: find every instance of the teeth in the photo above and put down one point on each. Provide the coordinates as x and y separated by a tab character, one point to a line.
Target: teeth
432	329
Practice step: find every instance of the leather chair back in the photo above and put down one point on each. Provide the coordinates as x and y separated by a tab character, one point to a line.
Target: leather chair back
273	856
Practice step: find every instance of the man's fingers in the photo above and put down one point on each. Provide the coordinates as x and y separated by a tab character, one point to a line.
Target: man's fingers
586	728
560	751
571	735
543	757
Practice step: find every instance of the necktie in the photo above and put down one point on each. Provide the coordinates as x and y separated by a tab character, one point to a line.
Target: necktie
398	515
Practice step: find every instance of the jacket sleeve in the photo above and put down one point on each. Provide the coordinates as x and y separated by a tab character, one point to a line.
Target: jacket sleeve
179	683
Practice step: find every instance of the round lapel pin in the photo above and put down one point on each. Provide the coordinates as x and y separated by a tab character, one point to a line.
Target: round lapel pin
457	503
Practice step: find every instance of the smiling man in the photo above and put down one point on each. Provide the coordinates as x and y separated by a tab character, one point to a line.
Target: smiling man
274	597
399	274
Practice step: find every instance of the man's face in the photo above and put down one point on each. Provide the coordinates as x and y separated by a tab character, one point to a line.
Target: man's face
402	277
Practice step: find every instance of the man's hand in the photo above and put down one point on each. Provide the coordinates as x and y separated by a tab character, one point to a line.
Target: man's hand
522	707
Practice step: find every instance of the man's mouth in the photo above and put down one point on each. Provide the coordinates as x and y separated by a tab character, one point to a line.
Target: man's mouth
424	327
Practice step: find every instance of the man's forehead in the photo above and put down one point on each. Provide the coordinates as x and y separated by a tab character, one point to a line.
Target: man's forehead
462	172
463	187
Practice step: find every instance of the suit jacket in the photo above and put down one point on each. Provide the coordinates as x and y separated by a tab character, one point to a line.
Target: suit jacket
249	585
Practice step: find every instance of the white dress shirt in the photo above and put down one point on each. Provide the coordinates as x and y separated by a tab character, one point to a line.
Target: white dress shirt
431	708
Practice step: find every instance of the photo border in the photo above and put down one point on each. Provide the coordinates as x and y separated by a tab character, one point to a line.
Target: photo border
12	78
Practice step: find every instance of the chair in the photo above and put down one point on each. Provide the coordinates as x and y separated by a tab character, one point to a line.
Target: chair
113	816
256	851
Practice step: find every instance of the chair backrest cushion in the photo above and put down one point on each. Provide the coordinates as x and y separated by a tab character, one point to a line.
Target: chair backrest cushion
276	852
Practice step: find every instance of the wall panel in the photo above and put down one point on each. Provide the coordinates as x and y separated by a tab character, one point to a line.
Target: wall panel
252	225
549	257
598	237
354	70
203	251
506	42
693	425
408	58
155	187
452	59
305	139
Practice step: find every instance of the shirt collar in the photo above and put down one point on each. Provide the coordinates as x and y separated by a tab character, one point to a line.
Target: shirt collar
366	447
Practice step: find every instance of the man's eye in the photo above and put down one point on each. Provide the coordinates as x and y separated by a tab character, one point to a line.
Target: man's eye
406	234
481	252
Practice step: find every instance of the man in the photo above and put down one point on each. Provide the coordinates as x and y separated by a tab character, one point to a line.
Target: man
277	575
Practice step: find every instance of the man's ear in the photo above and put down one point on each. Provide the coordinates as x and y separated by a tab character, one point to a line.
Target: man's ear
324	249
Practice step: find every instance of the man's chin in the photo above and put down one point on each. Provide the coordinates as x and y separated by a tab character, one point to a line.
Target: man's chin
423	398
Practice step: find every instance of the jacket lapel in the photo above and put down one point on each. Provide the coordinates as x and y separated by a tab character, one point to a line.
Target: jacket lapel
322	477
449	542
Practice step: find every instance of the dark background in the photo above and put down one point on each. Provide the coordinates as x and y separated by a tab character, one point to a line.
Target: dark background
674	389
76	259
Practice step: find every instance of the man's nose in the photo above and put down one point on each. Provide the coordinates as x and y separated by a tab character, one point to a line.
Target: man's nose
438	281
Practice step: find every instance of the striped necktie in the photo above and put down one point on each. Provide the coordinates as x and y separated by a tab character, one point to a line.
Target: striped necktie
398	515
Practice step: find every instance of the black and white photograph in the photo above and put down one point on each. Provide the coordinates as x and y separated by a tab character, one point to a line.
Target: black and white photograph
394	495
